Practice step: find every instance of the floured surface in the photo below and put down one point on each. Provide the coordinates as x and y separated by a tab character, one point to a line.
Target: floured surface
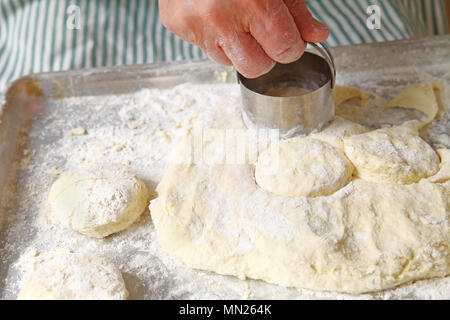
138	129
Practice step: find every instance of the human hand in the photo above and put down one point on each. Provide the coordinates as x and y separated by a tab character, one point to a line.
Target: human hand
250	34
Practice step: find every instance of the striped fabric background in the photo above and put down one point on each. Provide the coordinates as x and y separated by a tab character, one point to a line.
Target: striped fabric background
34	36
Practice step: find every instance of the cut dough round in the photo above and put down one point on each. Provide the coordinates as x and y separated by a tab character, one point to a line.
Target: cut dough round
335	132
98	201
302	167
391	155
73	276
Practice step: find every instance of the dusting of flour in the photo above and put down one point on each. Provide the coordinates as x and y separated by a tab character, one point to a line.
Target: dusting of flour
138	130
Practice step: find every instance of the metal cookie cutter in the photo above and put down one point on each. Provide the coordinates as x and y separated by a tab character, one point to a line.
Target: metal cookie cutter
308	105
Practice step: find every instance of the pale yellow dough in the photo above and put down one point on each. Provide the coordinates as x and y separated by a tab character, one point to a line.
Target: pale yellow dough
344	93
338	129
73	276
385	227
302	167
421	97
391	155
99	200
443	174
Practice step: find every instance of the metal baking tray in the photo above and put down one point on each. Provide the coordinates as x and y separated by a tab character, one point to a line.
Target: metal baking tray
25	124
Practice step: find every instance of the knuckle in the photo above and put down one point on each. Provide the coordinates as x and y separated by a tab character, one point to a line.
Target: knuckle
212	16
266	8
211	10
266	4
297	7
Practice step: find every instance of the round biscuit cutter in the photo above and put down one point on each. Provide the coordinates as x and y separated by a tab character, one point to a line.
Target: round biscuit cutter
298	114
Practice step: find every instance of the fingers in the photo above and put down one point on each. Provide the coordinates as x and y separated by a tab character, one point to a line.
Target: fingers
247	55
311	30
214	51
274	28
251	34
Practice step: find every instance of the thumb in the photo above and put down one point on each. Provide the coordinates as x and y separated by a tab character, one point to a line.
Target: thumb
310	29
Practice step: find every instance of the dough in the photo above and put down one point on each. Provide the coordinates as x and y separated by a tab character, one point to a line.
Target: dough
364	237
338	129
444	169
344	93
73	276
391	155
421	97
99	200
302	167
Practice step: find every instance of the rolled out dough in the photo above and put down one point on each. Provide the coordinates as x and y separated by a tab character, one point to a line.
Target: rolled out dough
366	236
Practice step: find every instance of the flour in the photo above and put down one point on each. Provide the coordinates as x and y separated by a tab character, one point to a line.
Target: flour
303	167
63	275
143	126
392	155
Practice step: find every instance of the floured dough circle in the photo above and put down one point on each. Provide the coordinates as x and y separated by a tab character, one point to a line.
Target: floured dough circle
302	167
98	201
73	276
391	155
337	130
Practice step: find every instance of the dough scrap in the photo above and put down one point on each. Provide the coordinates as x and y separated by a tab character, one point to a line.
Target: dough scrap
421	97
98	201
391	155
74	276
443	174
302	167
345	93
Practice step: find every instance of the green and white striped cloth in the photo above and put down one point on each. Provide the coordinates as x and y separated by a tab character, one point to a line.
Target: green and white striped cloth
37	35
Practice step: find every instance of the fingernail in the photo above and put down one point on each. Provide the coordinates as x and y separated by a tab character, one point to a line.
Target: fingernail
291	54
